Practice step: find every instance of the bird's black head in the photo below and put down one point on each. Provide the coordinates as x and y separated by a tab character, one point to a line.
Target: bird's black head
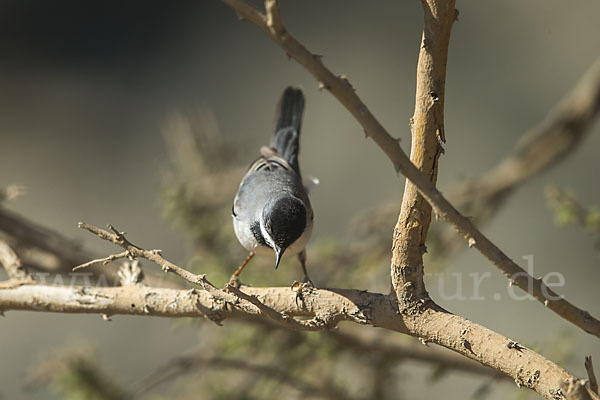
285	221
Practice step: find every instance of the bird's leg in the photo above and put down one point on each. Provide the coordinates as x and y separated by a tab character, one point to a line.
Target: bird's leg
299	287
302	259
235	278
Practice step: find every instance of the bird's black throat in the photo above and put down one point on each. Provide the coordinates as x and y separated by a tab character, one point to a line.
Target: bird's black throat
288	221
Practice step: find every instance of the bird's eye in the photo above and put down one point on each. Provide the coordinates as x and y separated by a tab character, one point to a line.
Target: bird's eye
269	226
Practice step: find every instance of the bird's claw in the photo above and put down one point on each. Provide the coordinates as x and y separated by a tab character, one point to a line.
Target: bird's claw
307	282
299	288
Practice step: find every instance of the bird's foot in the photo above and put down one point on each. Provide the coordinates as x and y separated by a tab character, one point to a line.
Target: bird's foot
300	288
307	282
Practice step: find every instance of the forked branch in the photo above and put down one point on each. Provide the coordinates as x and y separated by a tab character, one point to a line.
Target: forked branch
341	88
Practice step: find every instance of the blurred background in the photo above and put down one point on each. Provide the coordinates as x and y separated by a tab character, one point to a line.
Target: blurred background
143	114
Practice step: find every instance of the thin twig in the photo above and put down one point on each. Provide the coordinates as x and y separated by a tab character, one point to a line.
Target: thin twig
345	93
538	149
234	296
576	389
132	251
104	260
589	368
12	264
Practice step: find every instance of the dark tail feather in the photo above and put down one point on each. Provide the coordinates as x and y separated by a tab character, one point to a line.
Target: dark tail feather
286	139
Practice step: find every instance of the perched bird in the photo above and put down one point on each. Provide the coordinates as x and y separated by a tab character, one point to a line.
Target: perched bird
271	211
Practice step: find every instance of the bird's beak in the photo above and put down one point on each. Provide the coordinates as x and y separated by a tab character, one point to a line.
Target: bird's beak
278	254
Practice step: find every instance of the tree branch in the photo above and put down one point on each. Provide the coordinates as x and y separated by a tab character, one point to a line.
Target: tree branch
333	305
341	88
540	148
315	309
427	125
12	264
589	368
44	249
524	366
247	302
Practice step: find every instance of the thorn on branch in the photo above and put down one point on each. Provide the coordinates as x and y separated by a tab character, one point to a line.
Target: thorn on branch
323	86
274	18
514	345
344	79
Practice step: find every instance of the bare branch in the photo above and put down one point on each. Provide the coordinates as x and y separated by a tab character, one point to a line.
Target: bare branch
248	303
103	261
338	304
576	389
12	264
132	251
44	249
317	323
540	148
589	368
345	93
339	86
427	125
524	366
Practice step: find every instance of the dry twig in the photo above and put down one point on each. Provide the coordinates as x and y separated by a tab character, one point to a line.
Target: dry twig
247	302
540	148
12	264
589	368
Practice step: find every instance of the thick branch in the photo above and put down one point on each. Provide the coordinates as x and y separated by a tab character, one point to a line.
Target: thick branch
344	92
333	306
311	309
524	366
248	303
427	126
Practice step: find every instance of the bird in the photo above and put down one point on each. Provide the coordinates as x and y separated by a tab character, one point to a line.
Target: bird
271	211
